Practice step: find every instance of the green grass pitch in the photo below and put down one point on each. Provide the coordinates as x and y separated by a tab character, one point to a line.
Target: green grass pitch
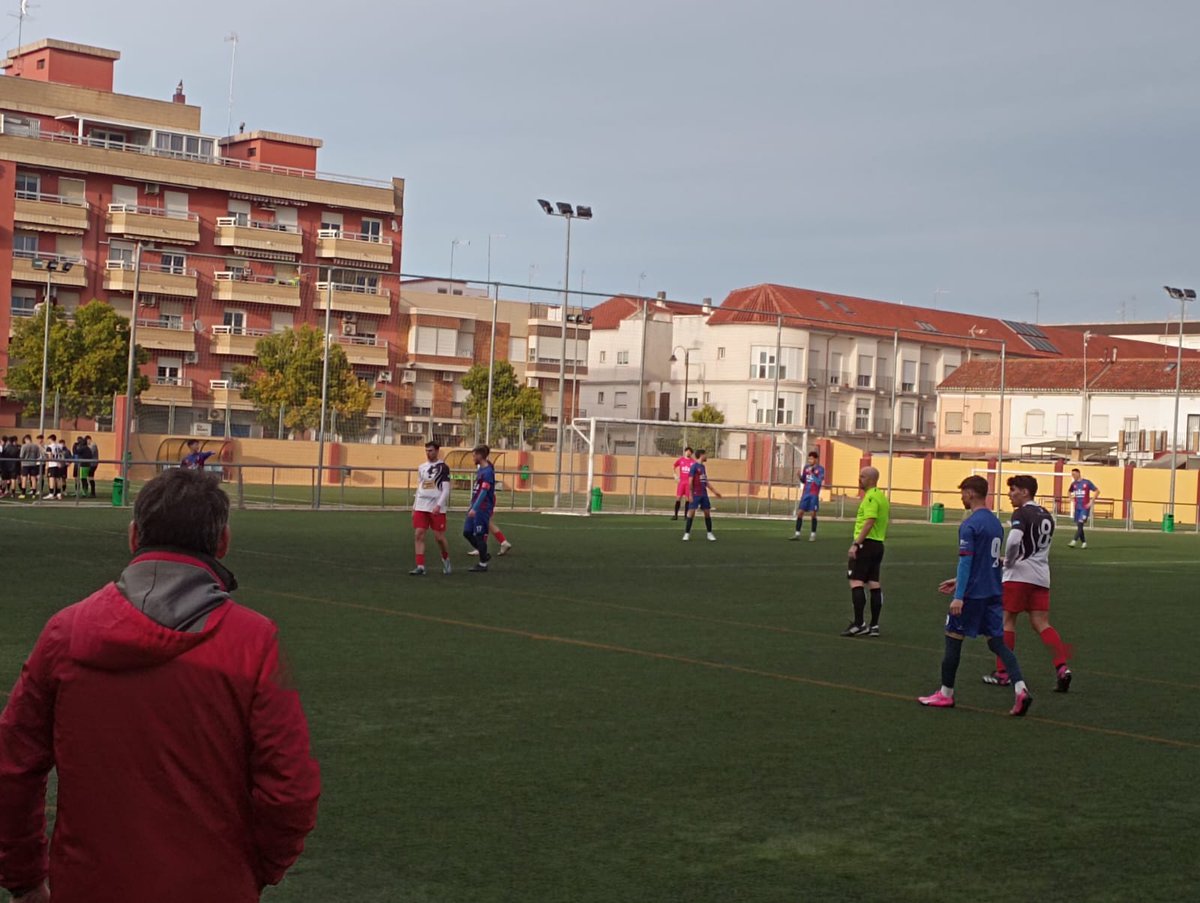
614	715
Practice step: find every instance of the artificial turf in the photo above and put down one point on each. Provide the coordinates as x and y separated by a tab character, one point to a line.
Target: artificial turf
613	715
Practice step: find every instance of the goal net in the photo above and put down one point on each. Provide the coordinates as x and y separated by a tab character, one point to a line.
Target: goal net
631	461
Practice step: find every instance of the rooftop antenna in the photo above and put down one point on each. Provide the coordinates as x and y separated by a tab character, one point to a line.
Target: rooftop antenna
21	16
641	279
936	292
1037	305
231	38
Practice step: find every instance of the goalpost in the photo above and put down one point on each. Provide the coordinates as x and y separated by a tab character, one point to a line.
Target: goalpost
773	453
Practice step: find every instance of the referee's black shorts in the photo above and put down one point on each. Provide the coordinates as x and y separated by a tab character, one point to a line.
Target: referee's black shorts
866	564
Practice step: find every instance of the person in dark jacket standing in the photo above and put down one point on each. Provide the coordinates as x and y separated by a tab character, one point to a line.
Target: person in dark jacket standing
80	459
183	761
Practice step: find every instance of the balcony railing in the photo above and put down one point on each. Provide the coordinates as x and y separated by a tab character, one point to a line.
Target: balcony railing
165	322
369	341
154	211
242	223
172	381
252	165
221	329
353	236
43	198
346	288
158	268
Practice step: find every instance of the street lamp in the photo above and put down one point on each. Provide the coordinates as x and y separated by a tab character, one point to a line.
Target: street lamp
1183	296
50	266
1086	431
687	352
567	212
495	291
454	244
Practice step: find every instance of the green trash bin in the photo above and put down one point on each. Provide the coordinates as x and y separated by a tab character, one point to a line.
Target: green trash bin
1168	523
937	513
118	493
597	499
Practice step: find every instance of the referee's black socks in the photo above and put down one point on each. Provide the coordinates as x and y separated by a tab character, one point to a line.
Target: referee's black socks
859	595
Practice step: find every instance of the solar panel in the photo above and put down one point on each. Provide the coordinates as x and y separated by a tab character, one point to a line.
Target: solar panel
821	301
1041	343
928	327
1024	329
843	307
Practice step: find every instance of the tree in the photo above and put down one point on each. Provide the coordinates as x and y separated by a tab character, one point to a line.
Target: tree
511	402
88	360
709	414
287	376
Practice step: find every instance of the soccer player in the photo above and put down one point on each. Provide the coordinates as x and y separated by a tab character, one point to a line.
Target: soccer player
31	466
56	467
698	489
1027	580
194	459
430	503
683	472
483	502
977	607
866	554
812	478
1084	493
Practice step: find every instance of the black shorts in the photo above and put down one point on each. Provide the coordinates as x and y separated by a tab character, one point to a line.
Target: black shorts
30	470
865	565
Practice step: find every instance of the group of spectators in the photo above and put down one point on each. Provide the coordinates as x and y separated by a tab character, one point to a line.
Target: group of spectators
39	467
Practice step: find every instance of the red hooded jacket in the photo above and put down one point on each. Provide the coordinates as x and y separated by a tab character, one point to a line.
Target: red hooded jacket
184	771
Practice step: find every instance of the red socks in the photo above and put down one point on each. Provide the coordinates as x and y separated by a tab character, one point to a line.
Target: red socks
420	561
500	537
1010	640
1060	649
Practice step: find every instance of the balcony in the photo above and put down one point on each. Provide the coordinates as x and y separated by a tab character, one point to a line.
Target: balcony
50	213
237	340
237	232
167	390
351	246
166	334
119	276
24	271
225	395
236	287
365	350
359	299
153	224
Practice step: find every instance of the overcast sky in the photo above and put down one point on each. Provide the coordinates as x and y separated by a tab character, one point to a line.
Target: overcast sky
874	148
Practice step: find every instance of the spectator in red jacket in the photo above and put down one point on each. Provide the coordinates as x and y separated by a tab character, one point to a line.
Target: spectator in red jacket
183	760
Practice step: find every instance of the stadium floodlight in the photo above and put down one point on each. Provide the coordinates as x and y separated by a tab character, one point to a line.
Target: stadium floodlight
1183	296
50	266
567	212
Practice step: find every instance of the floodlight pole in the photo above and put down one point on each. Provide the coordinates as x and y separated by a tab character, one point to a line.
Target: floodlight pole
1000	450
637	439
1184	295
324	391
131	372
487	430
46	305
775	406
1083	415
892	413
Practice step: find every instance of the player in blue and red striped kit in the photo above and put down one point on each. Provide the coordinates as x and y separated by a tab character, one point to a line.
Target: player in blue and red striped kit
812	478
483	503
978	607
1083	494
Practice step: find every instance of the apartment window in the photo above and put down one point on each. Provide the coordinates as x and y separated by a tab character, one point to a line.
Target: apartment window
1035	424
251	152
862	417
331	222
25	244
599	398
235	320
24	301
708	397
282	320
240	211
106	138
191	147
762	364
372	229
620	399
167	370
720	353
981	423
532	354
444	342
908	379
122	253
622	357
29	186
174	262
866	368
832	420
1062	428
947	369
603	356
908	418
1099	427
810	415
954	422
693	401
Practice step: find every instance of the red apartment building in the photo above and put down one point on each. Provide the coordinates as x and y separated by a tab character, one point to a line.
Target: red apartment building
239	236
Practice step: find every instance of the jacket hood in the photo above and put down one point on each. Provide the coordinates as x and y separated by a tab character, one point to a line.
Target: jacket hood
165	603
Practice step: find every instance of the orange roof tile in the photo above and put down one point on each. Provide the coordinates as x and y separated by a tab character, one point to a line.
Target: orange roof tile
1066	375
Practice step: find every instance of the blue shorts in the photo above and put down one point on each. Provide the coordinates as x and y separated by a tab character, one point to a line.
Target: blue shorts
699	502
1081	515
809	503
477	525
980	617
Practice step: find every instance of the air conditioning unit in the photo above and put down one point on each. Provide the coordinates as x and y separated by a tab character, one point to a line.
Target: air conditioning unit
416	427
149	301
408	376
153	188
349	327
384	376
216	414
191	357
349	318
531	382
447	376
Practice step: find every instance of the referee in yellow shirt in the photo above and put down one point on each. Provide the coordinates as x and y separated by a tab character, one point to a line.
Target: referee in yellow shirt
866	554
